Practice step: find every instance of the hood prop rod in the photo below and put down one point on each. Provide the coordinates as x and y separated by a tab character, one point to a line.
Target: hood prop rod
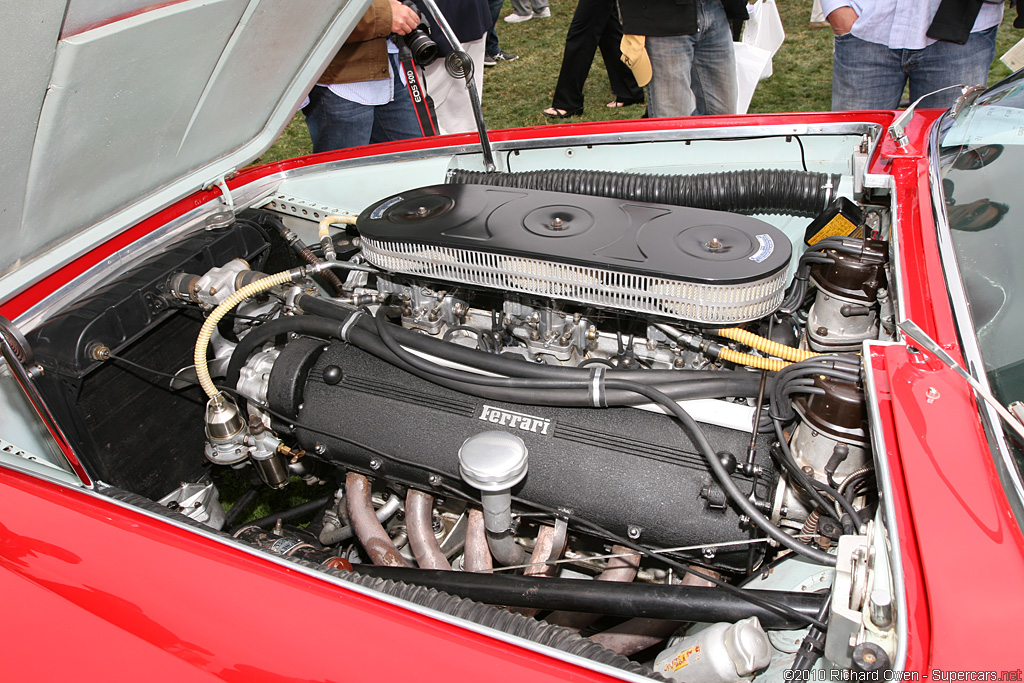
460	65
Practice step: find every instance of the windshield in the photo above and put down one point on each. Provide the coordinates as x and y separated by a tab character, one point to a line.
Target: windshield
980	159
981	155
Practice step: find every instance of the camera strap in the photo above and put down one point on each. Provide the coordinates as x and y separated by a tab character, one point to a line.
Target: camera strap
417	91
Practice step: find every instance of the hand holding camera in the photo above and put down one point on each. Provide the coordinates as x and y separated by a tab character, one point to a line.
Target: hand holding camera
408	21
403	18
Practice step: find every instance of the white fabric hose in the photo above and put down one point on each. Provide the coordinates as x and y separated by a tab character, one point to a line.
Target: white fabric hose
203	341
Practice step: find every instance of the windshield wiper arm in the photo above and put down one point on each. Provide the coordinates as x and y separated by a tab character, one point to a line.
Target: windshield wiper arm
897	129
911	330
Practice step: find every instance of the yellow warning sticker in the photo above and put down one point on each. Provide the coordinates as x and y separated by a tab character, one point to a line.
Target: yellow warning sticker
688	656
839	226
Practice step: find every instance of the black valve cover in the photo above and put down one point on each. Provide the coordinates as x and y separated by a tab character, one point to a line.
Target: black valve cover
617	467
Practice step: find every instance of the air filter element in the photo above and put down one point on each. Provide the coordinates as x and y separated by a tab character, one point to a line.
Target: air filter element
706	266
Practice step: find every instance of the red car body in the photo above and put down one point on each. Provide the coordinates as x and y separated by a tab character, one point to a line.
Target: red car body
98	591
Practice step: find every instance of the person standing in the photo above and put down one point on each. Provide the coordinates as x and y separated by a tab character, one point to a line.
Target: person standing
469	20
492	51
595	24
689	45
361	97
524	10
881	46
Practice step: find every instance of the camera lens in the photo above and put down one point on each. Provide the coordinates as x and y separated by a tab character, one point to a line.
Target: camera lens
424	50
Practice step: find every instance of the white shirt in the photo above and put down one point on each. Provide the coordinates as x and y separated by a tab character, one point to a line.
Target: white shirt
380	91
902	24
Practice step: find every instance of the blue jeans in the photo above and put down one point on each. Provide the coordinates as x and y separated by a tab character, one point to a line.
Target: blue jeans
337	123
694	74
872	76
492	48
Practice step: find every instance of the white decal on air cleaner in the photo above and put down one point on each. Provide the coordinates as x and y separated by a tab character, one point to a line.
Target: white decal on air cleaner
765	248
514	420
379	211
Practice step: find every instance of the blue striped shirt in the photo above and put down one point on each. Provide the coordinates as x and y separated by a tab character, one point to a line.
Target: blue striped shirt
902	24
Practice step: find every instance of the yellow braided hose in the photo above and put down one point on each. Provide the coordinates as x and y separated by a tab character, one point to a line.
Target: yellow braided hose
758	342
760	362
203	341
328	221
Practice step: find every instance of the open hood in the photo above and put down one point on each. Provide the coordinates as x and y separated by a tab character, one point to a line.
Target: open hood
113	109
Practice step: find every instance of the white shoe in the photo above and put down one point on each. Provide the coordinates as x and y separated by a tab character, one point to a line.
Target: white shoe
518	18
543	14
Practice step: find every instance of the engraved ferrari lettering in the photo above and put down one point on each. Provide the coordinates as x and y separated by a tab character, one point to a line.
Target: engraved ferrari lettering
514	420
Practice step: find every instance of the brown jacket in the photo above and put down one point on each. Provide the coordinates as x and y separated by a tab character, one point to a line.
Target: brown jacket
364	56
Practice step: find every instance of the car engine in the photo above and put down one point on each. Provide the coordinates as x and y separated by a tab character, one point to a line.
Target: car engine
625	408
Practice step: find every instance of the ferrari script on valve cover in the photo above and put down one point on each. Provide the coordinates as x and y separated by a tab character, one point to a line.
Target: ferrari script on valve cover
707	399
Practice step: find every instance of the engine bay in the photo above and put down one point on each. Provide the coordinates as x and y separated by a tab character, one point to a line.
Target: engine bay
625	409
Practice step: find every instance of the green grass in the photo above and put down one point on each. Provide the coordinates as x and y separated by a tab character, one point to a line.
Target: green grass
516	92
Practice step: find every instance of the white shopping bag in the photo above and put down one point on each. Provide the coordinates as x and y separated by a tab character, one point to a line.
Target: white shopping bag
764	30
762	37
750	64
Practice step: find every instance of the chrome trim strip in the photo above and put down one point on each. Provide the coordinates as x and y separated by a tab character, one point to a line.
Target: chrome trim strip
73	481
896	251
872	130
962	315
884	479
35	399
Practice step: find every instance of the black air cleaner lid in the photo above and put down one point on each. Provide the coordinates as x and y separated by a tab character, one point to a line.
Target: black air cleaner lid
679	243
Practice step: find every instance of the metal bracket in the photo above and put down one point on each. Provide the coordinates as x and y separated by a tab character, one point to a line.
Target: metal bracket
919	338
964	98
302	208
225	192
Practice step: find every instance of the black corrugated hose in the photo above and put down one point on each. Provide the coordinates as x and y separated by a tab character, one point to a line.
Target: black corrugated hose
502	620
761	191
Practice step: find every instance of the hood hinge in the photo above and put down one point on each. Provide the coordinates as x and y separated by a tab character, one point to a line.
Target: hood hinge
225	193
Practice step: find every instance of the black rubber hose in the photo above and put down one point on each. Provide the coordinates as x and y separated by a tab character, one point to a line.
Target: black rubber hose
501	620
540	632
265	219
613	598
741	383
761	191
240	506
696	434
257	337
738	498
843	501
679	384
300	510
575	397
813	644
560	382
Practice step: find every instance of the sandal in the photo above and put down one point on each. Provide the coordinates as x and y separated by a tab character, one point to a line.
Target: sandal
616	104
553	113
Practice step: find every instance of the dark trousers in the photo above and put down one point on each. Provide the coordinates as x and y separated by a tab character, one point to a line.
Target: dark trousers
594	25
491	47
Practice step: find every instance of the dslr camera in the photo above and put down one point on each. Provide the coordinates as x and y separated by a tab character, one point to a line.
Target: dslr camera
424	49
